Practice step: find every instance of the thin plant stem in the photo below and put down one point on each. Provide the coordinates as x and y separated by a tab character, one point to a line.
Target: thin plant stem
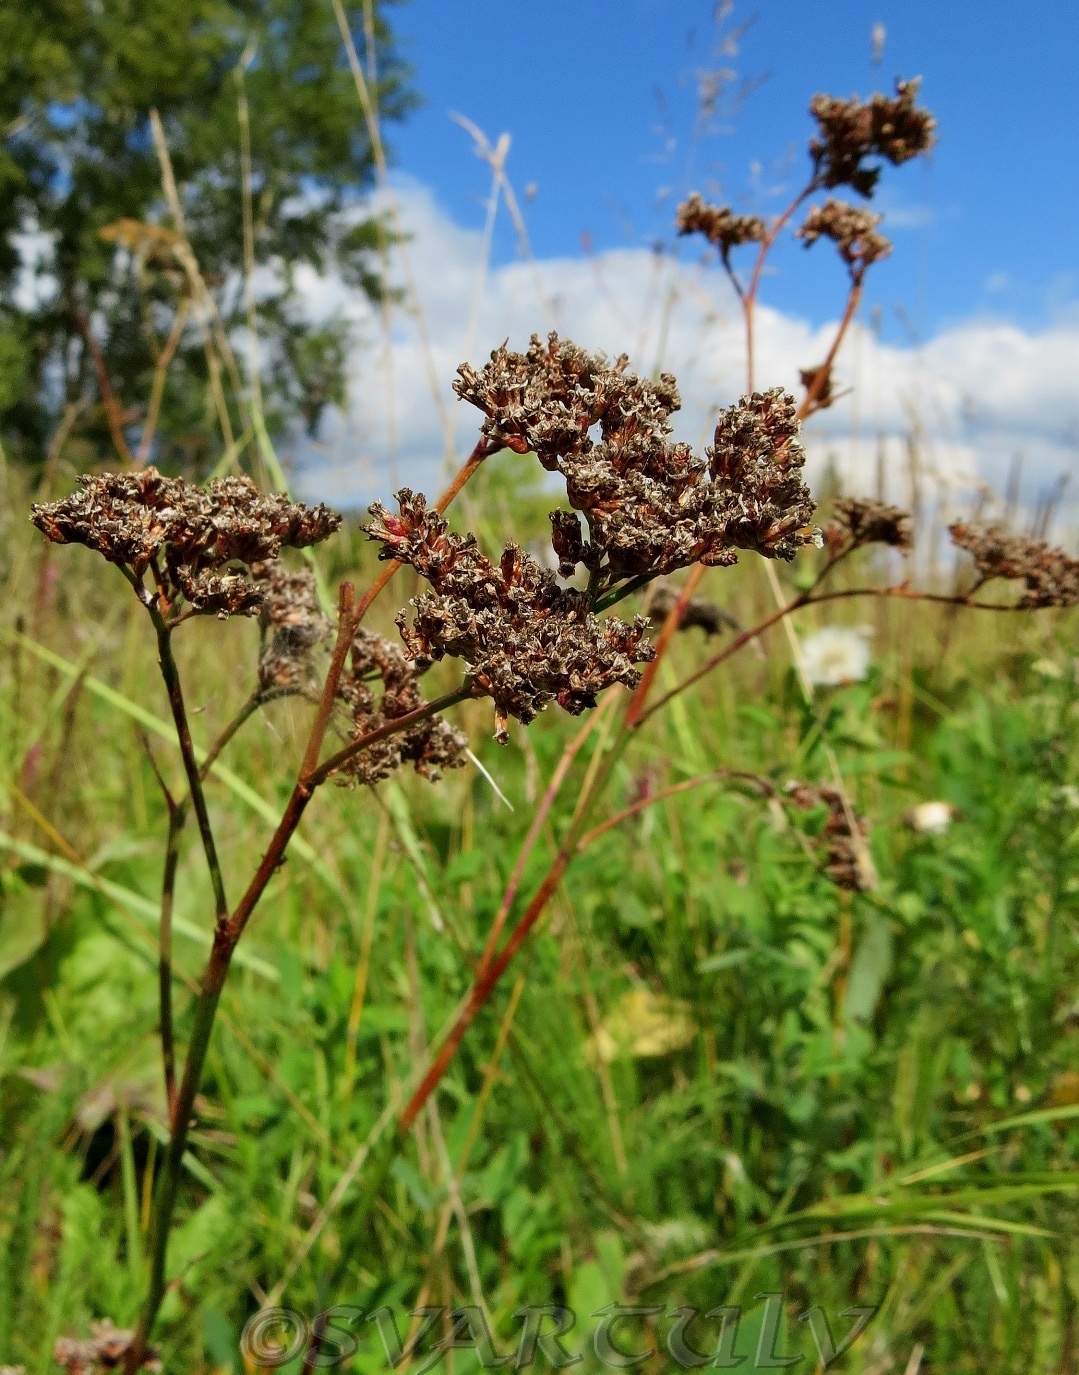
539	818
157	386
715	776
113	411
749	296
171	676
363	965
823	373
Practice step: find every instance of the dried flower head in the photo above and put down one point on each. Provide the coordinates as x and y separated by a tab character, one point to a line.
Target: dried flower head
526	640
849	131
708	616
718	224
824	396
650	505
841	849
1051	576
190	537
862	520
431	745
292	625
851	229
756	466
106	1349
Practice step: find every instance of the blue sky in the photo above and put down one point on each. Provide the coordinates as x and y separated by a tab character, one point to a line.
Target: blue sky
600	98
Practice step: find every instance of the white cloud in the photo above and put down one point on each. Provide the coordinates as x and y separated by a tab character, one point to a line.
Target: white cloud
972	396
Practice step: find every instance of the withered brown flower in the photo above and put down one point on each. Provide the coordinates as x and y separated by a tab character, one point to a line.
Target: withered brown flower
526	640
1051	576
839	847
648	503
825	395
292	625
189	537
849	131
106	1349
851	229
699	611
431	745
718	224
863	520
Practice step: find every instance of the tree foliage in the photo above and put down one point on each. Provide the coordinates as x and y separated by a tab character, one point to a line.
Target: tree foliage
91	279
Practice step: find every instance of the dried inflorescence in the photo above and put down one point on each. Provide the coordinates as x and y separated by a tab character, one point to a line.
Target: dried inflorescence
851	229
718	224
699	611
526	640
650	505
292	625
189	537
864	520
849	131
841	849
106	1349
431	745
1051	576
824	395
756	467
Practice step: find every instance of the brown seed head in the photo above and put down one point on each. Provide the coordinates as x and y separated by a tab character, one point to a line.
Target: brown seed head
106	1349
756	465
648	504
719	225
852	230
861	520
836	842
430	745
292	625
1051	576
526	640
191	537
849	131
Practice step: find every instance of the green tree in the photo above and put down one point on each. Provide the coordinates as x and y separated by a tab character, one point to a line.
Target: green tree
95	281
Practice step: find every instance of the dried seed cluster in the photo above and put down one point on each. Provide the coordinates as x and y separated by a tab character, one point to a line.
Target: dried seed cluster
526	640
292	626
718	224
189	537
651	506
699	611
431	745
851	229
106	1349
1051	576
849	131
836	841
862	520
